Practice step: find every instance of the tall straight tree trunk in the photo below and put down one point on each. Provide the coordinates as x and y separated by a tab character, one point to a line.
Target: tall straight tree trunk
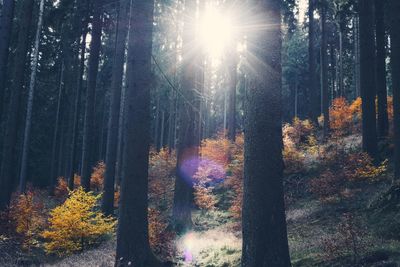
367	71
383	121
324	70
6	18
77	109
395	63
11	127
113	120
356	56
133	246
89	125
187	147
341	85
264	225
313	95
232	96
28	120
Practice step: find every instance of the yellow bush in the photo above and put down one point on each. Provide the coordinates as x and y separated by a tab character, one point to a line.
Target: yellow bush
76	224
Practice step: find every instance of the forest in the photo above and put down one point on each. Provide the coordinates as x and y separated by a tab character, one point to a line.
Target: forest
204	133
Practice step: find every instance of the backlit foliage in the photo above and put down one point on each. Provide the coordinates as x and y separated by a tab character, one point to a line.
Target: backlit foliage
97	176
61	190
28	215
160	238
345	118
76	224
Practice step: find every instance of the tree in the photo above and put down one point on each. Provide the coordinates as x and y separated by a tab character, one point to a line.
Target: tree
28	119
324	68
264	225
312	64
187	147
7	14
367	76
132	238
383	121
89	129
395	63
11	127
232	73
113	121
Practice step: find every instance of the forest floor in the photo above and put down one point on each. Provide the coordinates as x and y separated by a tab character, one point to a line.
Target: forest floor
343	231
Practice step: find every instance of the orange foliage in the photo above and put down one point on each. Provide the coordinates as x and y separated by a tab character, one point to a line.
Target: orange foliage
97	176
27	213
341	116
160	238
61	191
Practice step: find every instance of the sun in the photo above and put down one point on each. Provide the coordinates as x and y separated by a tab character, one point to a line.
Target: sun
216	31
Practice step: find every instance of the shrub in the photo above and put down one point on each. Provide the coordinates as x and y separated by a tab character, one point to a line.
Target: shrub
97	176
326	185
76	224
360	166
341	117
28	216
160	238
61	190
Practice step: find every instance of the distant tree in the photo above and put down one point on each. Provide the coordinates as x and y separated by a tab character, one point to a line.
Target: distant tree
383	121
367	72
6	18
314	109
395	64
133	247
264	225
324	68
7	173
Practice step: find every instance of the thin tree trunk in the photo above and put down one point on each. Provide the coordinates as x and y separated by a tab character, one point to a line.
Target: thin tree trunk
264	226
133	246
383	121
89	129
7	14
113	120
395	63
11	127
232	97
324	70
367	61
313	95
28	120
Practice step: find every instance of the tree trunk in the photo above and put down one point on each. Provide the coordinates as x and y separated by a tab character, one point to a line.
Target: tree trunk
89	125
395	63
7	14
133	246
187	147
232	96
383	121
264	226
367	71
17	83
313	95
324	70
113	120
28	120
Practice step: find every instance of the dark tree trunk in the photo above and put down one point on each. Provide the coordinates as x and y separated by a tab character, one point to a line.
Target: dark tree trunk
367	72
89	125
28	120
313	94
133	246
395	63
232	96
17	83
264	226
383	121
7	13
113	120
187	147
324	70
77	110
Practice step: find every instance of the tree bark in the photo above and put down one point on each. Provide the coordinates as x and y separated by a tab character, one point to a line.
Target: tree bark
324	70
7	14
264	226
113	120
395	63
232	69
89	125
187	147
132	238
17	83
28	120
383	121
367	72
314	107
